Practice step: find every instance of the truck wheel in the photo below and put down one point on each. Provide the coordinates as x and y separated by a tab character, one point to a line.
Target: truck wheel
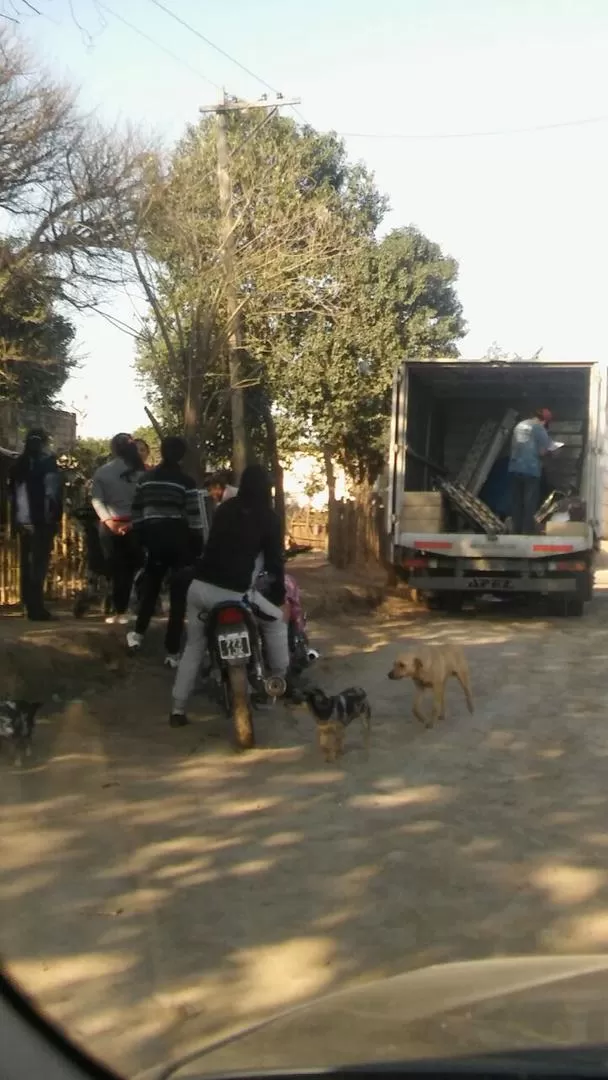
588	586
240	708
567	606
574	606
451	602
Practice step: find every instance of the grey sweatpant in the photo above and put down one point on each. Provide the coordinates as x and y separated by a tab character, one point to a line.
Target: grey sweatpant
201	598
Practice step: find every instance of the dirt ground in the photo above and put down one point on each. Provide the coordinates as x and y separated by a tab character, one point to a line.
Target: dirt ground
156	889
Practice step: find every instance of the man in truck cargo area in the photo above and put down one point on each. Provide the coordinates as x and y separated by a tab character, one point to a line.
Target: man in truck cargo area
530	442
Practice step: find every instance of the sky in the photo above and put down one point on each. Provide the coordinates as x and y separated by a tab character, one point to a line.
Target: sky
432	95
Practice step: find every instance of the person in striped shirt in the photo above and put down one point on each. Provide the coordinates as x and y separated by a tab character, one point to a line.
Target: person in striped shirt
167	519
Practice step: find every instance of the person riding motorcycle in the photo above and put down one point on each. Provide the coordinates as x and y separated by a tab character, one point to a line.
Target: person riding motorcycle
244	530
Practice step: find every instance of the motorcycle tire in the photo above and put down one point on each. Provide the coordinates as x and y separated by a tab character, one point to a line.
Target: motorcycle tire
240	708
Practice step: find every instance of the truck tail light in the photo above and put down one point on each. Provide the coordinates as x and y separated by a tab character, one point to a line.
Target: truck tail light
567	565
418	563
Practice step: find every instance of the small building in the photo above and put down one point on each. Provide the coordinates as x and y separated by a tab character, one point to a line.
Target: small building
15	420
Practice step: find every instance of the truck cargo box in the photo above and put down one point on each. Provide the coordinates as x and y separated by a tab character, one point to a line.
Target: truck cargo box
439	406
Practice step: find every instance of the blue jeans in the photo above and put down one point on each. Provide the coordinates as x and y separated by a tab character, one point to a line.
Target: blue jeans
525	498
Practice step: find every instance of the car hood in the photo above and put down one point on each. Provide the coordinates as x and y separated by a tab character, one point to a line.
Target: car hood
448	1011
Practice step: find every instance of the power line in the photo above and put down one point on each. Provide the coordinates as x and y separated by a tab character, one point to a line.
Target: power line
301	117
212	45
373	135
158	44
430	136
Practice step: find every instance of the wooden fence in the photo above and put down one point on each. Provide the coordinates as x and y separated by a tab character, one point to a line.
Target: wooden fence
67	573
357	533
351	533
308	526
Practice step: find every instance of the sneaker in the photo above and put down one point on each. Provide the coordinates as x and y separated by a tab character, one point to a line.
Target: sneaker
122	620
110	620
134	640
171	660
178	719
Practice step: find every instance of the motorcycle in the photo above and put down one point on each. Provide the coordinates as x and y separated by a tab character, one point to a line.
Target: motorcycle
300	653
236	665
236	662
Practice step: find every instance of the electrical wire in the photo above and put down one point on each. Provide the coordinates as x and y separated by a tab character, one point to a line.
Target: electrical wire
430	136
372	135
212	45
147	37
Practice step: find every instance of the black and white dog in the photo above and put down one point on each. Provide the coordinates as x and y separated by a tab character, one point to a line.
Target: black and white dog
334	712
17	721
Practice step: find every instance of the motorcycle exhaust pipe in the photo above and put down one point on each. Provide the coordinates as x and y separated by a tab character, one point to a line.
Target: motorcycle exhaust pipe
275	686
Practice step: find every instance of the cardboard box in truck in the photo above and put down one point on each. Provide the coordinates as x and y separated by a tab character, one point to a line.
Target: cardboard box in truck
439	408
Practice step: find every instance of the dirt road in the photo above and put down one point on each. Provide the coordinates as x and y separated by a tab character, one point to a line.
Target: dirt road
156	889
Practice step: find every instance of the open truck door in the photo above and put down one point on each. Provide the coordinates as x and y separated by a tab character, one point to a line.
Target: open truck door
444	540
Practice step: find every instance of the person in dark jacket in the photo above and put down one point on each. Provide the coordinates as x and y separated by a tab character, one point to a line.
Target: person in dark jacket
36	498
167	519
245	531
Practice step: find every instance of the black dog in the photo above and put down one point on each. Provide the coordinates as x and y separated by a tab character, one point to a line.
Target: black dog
17	721
334	713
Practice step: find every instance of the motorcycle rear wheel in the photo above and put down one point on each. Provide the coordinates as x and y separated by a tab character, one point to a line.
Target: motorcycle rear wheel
240	708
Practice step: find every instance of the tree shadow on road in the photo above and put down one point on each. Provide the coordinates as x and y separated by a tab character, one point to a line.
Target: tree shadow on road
156	889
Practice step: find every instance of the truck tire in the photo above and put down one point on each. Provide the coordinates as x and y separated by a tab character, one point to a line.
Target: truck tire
567	605
588	586
574	606
240	708
451	602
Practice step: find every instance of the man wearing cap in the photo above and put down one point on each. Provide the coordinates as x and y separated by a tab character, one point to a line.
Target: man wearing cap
529	445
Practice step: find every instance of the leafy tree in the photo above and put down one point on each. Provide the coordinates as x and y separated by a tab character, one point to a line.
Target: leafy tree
88	454
35	338
297	209
334	377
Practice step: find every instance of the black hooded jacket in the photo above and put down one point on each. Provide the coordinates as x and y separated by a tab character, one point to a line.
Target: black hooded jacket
239	533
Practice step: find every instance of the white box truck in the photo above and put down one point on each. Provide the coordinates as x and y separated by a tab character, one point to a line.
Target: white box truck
439	409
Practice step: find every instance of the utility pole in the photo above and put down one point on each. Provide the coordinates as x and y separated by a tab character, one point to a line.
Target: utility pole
235	323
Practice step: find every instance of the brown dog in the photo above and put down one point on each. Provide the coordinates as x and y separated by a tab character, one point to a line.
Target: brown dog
429	667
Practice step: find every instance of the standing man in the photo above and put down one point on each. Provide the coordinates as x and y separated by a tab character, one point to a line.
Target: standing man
167	520
35	484
530	443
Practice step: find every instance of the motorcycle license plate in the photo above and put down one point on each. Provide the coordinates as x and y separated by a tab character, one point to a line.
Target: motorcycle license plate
234	646
491	584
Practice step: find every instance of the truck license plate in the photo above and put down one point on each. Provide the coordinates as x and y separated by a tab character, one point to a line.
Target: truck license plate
491	584
234	646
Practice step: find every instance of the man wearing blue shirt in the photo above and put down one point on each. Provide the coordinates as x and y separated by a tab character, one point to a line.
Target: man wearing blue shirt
529	445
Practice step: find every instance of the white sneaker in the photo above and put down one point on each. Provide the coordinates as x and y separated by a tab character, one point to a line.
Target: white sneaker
134	640
110	620
122	620
171	662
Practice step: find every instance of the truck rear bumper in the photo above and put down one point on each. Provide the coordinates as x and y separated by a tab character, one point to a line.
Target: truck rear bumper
480	584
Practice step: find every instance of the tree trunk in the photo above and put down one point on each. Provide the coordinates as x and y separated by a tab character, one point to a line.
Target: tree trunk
275	465
332	517
192	408
329	474
365	540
